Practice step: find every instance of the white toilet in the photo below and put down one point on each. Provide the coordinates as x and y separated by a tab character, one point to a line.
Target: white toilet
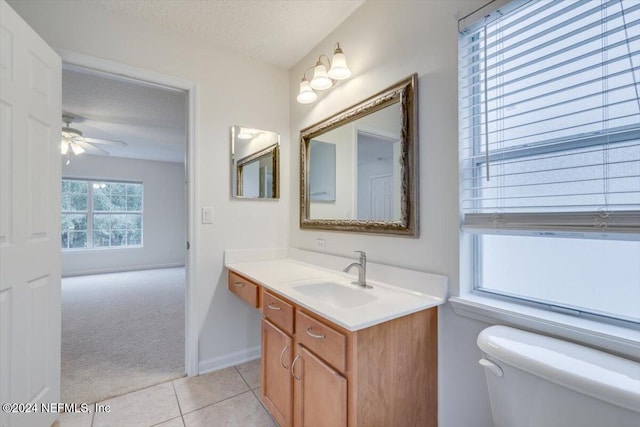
538	381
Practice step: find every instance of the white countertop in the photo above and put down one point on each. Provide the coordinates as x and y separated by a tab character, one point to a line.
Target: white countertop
396	292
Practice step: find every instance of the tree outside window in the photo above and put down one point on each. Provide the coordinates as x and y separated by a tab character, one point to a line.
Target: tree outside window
98	214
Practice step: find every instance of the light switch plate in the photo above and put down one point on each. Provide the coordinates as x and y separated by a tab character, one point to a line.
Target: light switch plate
207	215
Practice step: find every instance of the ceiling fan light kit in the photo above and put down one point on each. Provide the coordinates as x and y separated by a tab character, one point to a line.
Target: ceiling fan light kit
77	149
74	142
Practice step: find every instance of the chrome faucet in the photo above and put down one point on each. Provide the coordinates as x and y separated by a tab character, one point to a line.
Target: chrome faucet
362	270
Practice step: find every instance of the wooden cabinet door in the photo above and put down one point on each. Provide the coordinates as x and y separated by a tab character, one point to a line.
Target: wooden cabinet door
277	386
320	392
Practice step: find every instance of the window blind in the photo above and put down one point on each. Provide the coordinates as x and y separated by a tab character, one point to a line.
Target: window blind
550	120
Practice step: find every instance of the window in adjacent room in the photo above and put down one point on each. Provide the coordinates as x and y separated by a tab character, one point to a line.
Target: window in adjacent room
98	214
75	205
550	155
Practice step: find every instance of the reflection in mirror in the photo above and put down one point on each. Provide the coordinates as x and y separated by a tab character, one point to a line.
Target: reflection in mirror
366	181
254	163
322	171
378	188
368	176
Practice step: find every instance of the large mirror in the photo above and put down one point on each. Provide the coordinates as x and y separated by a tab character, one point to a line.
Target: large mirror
359	167
255	157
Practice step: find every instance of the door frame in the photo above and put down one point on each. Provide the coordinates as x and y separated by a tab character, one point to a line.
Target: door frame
80	62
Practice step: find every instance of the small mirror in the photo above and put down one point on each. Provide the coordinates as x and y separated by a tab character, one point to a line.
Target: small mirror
370	152
255	166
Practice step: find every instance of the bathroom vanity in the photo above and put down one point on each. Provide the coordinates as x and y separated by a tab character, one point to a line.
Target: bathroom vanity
335	354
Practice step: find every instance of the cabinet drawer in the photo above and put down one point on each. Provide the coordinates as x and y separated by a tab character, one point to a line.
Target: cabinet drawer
244	289
323	340
278	312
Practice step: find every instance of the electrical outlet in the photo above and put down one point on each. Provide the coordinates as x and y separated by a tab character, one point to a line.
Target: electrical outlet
207	215
321	245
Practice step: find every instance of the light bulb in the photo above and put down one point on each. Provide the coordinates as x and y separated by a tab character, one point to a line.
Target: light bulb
77	149
320	80
244	134
306	95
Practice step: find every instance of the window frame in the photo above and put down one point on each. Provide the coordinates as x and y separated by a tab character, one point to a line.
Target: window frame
471	251
90	213
622	339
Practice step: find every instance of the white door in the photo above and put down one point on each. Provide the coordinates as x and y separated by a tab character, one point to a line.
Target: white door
382	198
30	107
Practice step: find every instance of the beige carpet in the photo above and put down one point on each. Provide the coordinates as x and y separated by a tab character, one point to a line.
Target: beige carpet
121	332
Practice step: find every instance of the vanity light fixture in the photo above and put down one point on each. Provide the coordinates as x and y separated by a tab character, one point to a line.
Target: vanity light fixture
323	79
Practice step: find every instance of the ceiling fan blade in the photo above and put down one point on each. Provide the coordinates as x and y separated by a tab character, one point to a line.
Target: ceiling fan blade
104	141
90	147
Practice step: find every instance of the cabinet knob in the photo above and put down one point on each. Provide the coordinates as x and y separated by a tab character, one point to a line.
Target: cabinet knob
293	367
282	354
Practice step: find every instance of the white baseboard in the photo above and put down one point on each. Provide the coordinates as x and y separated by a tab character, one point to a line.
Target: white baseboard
229	359
120	269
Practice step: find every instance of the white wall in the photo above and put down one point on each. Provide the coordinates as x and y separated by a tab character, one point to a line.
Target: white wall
163	215
227	327
385	41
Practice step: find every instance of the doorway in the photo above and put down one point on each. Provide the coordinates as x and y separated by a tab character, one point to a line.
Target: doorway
77	63
377	175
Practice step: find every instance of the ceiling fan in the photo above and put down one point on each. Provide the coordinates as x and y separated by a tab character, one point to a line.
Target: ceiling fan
73	141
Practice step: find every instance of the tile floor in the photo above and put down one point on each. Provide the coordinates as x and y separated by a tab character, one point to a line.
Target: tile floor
228	397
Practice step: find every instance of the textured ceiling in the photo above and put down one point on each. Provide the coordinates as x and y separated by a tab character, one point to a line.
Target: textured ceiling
280	32
151	120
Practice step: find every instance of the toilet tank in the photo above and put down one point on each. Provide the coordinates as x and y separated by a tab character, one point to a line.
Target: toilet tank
538	381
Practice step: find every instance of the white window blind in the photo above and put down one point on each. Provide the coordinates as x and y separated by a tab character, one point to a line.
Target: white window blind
550	120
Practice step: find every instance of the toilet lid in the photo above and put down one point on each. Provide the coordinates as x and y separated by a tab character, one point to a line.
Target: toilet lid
592	372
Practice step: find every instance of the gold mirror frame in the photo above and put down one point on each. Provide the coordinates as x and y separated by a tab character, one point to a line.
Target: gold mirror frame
263	143
406	93
269	151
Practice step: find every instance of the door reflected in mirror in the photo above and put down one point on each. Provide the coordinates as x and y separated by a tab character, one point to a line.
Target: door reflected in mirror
378	188
254	163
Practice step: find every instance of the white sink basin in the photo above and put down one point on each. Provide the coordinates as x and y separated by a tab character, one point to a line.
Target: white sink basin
337	295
